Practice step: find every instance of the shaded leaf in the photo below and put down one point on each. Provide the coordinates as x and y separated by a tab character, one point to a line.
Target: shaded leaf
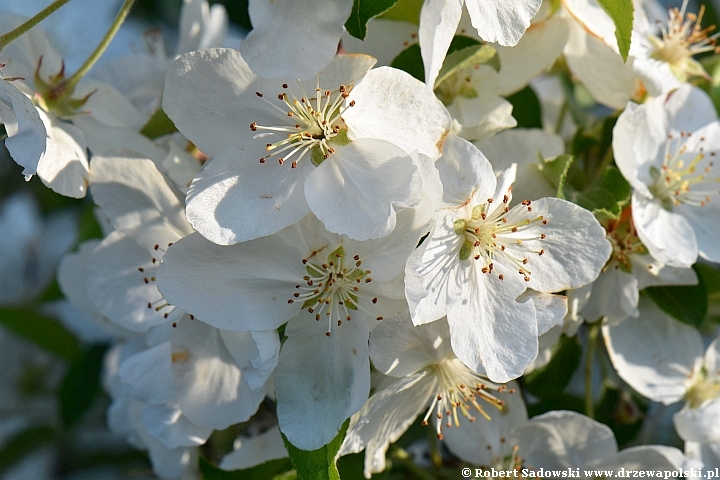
317	464
556	171
607	198
688	304
526	108
23	444
461	59
405	11
158	125
550	380
410	61
81	385
43	331
362	12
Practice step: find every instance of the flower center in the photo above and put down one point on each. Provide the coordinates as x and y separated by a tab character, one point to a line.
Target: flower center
683	38
313	124
333	289
55	95
498	234
622	235
683	177
458	391
705	387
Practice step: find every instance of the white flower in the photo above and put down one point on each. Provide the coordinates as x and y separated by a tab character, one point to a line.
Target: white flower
328	145
482	255
563	439
248	452
330	290
501	21
615	293
430	379
147	215
665	148
662	359
30	247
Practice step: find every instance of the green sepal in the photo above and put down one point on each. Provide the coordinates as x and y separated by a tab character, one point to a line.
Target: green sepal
466	250
459	225
317	464
313	271
354	274
478	211
336	254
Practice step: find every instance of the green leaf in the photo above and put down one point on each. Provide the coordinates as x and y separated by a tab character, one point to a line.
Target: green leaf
550	380
43	331
270	470
526	108
23	444
81	385
711	278
362	12
158	125
410	61
607	198
317	464
556	171
687	304
459	60
405	11
621	12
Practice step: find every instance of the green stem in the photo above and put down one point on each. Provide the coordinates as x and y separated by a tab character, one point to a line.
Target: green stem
561	119
92	59
593	331
13	34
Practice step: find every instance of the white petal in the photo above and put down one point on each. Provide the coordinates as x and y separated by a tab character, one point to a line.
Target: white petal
320	381
700	424
464	172
705	221
170	427
149	374
133	193
261	448
25	130
64	166
386	416
296	39
575	247
236	198
201	27
489	328
357	190
645	457
502	21
668	236
615	296
256	353
480	117
399	348
562	439
209	385
392	105
118	288
654	353
243	287
549	309
438	21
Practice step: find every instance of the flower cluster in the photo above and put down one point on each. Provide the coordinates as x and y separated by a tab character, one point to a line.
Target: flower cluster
358	222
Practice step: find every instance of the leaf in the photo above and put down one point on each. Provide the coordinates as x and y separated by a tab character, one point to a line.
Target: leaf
405	11
621	12
556	170
410	61
158	125
550	380
317	464
362	12
270	470
688	304
23	444
607	198
43	331
466	57
526	108
81	385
